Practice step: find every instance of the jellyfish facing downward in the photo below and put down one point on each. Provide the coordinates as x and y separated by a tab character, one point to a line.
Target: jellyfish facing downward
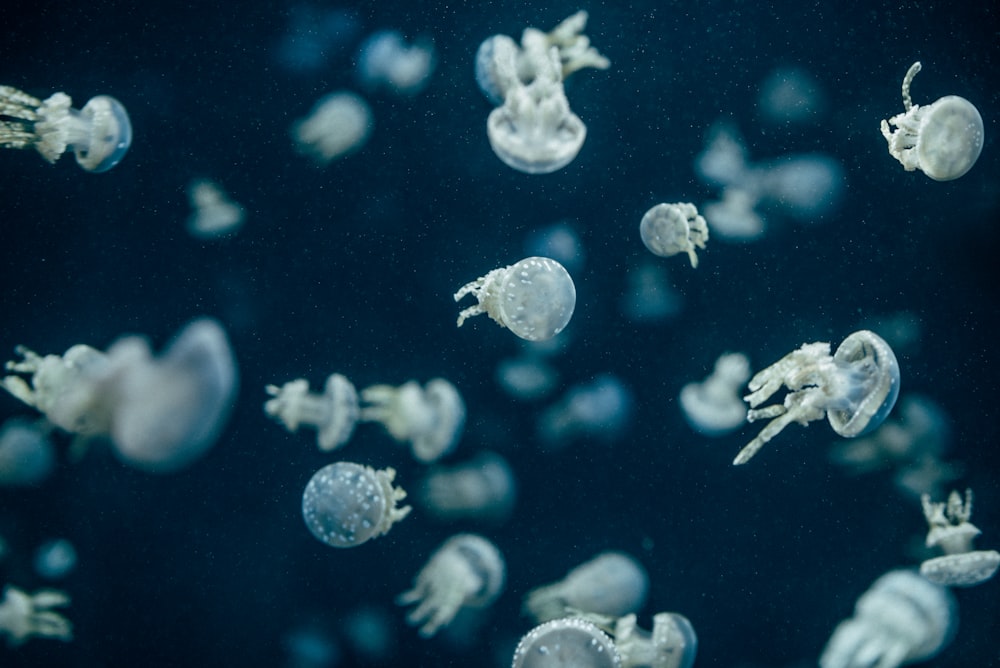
855	388
951	530
99	134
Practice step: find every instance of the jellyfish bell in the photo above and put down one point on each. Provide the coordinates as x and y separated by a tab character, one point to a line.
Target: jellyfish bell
873	384
569	642
108	134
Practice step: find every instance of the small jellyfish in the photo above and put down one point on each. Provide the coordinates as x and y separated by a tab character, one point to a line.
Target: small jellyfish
671	644
23	615
55	559
570	642
386	59
951	530
612	583
26	454
526	376
482	488
370	632
733	217
805	186
855	389
559	241
534	298
668	229
791	95
943	139
714	407
338	124
902	618
346	504
600	409
99	134
466	571
649	296
333	414
430	418
214	214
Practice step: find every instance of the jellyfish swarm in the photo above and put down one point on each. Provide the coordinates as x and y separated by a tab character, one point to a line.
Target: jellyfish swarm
384	59
24	615
430	418
612	583
99	134
332	414
942	139
855	389
213	213
338	125
669	229
951	530
570	642
713	407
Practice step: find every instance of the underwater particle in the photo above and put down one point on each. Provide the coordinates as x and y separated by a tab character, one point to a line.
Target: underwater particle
600	409
339	124
429	418
951	530
482	488
714	407
346	504
855	389
612	583
27	457
466	571
213	213
333	414
55	559
534	298
942	139
99	134
570	642
669	229
385	59
23	615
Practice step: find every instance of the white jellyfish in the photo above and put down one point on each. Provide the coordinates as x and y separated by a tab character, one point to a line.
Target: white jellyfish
385	58
55	559
669	229
526	376
733	217
855	389
534	298
570	642
942	139
902	618
612	583
27	456
23	615
482	488
338	124
559	241
804	186
466	571
671	644
600	409
714	407
213	213
429	418
99	134
346	504
951	530
332	414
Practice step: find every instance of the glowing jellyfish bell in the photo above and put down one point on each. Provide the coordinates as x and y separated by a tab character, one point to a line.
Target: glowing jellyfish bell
669	229
942	139
570	642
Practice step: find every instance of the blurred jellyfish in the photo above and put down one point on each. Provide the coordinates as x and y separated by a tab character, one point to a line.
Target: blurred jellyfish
310	646
724	162
26	455
314	36
901	619
570	642
669	229
558	241
600	409
791	95
55	559
23	615
332	414
370	633
612	583
385	59
951	530
805	187
430	418
927	475
338	125
483	488
671	644
733	217
214	214
714	407
648	295
526	377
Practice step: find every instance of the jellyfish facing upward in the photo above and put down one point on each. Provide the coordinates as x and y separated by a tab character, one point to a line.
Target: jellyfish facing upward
99	134
855	389
942	139
386	59
671	644
951	530
713	407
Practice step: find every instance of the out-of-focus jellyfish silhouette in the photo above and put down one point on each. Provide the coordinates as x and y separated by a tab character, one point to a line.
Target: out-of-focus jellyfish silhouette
533	298
669	229
714	407
942	139
526	376
310	646
429	418
805	187
951	530
482	488
23	615
791	95
99	134
385	59
671	644
558	241
314	36
55	559
213	213
612	584
370	633
338	125
333	414
160	413
570	642
26	455
733	217
855	389
346	504
648	295
466	571
600	409
725	160
902	618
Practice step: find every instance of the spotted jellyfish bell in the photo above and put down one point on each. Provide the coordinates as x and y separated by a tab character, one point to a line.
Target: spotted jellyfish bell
951	530
570	642
669	229
612	583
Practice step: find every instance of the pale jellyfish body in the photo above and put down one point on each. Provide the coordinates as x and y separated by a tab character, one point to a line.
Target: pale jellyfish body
612	583
27	457
386	59
23	615
714	407
338	125
649	296
806	186
570	642
669	229
213	213
430	418
600	409
333	414
671	644
483	488
733	217
952	532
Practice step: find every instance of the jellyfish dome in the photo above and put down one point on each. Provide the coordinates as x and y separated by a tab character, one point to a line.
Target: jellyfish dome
570	642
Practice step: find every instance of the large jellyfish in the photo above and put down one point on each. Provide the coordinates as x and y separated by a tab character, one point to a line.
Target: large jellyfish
570	642
430	418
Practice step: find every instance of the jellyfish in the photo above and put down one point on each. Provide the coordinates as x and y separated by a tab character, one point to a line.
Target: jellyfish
559	241
430	418
314	36
951	530
805	186
791	95
648	296
526	376
600	409
24	615
370	632
346	504
570	642
902	618
55	559
99	134
333	414
943	139
671	644
855	389
26	454
386	59
733	217
482	488
466	571
612	583
338	125
534	298
714	407
214	214
668	229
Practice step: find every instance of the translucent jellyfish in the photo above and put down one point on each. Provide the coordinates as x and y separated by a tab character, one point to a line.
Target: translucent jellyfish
99	134
526	377
311	645
733	217
534	298
338	124
466	571
671	644
669	229
346	504
951	530
23	615
370	632
430	418
612	583
943	139
902	618
791	95
26	455
214	214
160	413
333	414
55	559
724	161
558	241
386	59
600	409
714	407
482	488
804	186
569	642
854	389
648	295
314	36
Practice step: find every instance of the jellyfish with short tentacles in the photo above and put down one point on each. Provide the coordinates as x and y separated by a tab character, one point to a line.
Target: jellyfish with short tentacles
99	134
23	615
482	488
672	643
333	414
669	229
951	530
430	418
